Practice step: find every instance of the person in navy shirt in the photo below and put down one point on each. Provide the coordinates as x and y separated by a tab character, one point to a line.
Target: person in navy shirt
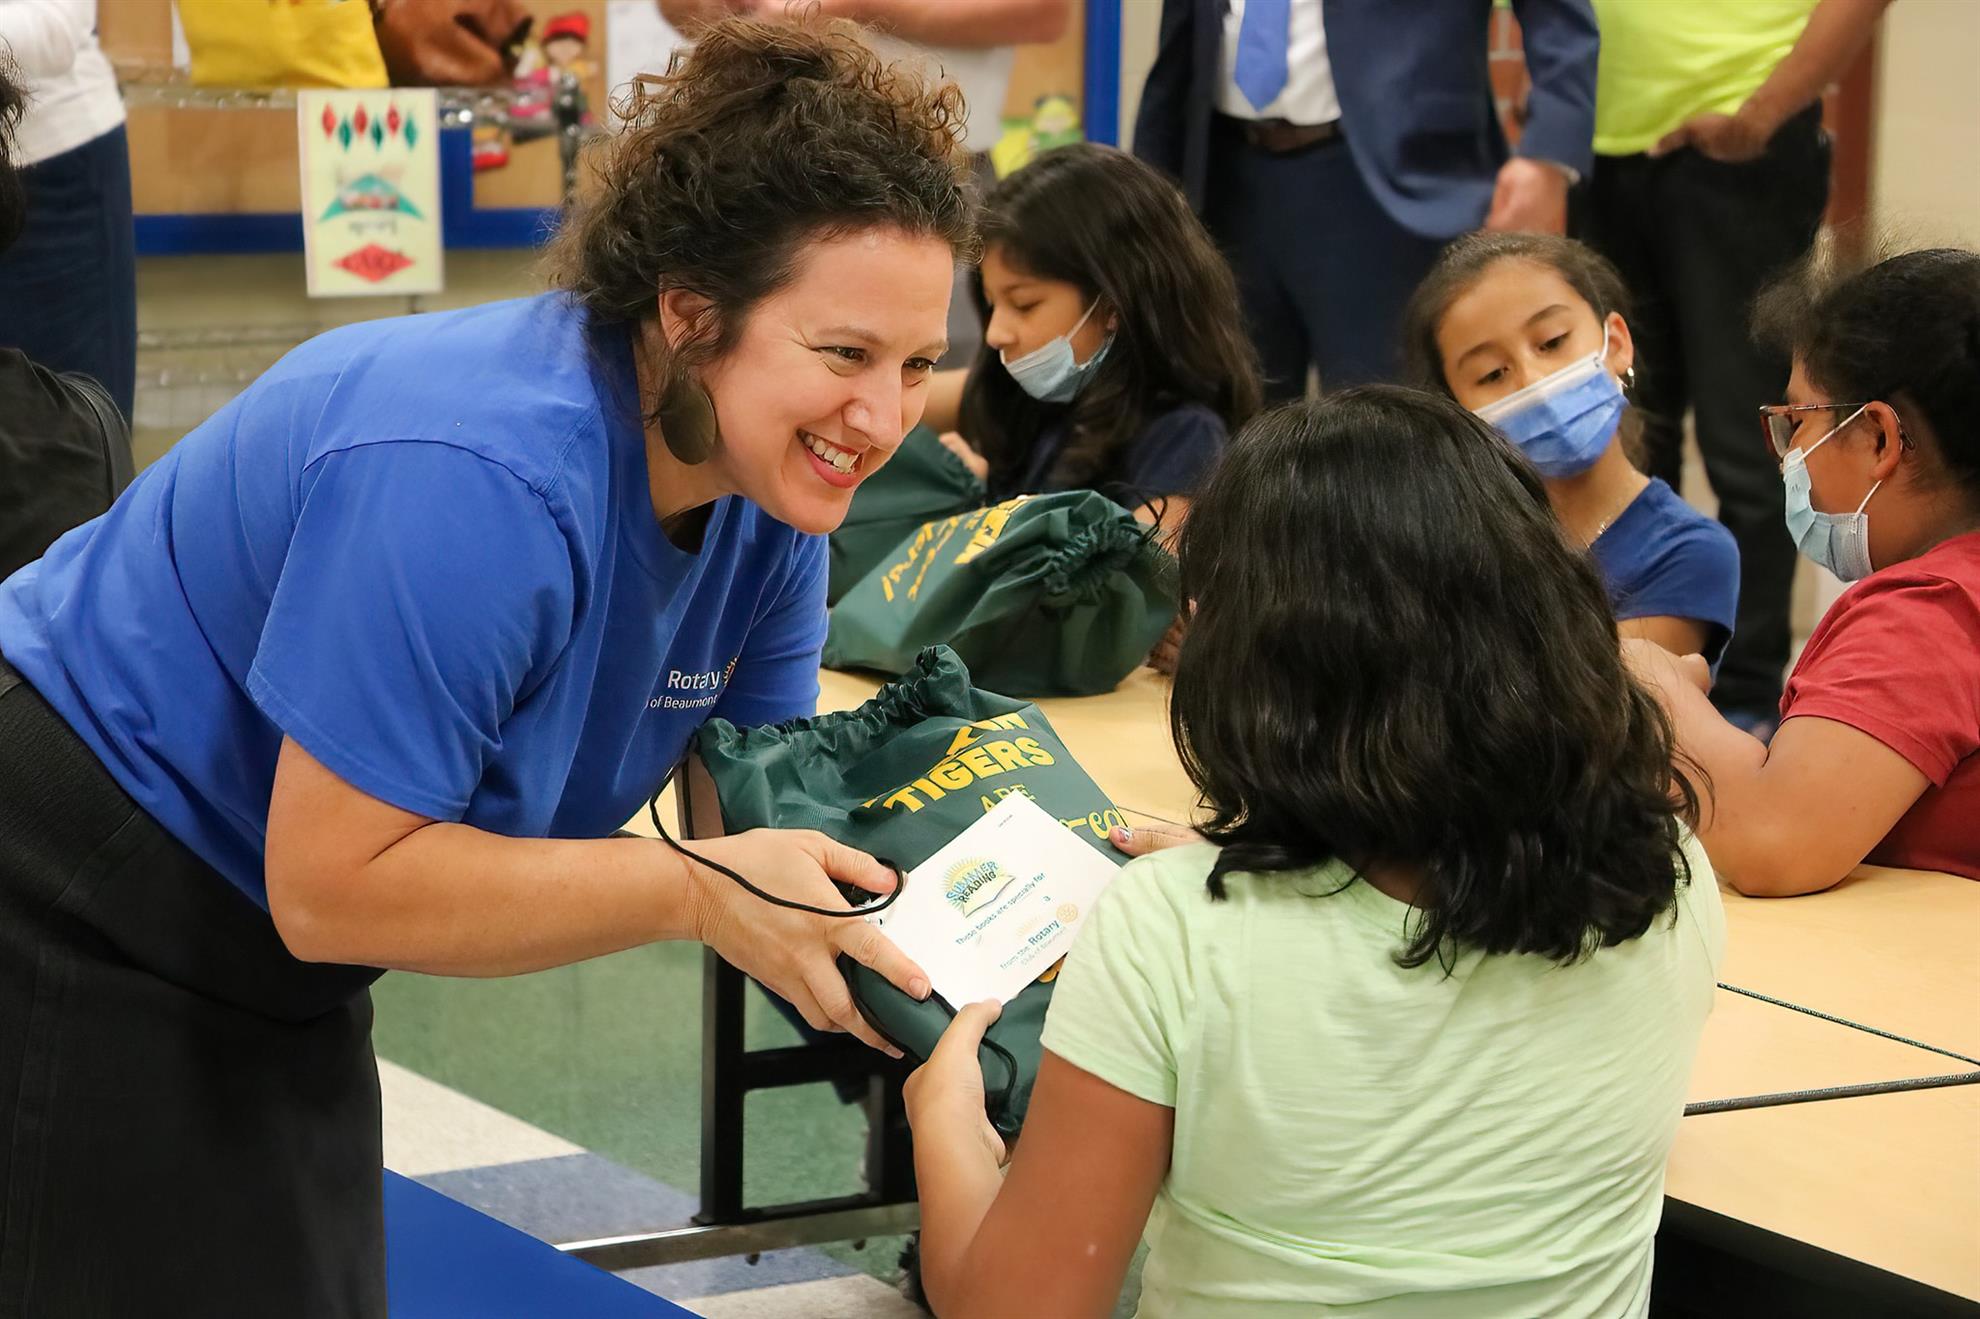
1529	331
367	670
1114	357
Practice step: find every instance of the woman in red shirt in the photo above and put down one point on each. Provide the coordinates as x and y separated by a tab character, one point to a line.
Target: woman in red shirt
1879	444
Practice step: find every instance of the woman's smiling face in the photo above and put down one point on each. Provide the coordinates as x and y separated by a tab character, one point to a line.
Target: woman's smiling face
830	372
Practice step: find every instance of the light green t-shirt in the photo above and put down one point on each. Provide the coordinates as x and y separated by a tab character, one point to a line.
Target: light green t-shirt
1353	1138
1664	61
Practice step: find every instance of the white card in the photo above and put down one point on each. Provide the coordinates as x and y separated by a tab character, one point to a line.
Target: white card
996	907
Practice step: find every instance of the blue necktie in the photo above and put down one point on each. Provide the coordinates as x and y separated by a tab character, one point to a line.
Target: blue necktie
1260	68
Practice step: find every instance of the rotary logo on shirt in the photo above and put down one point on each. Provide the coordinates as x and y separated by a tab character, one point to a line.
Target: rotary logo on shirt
682	690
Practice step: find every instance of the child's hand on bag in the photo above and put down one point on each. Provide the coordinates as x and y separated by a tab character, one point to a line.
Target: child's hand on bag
978	465
794	953
944	1096
1146	838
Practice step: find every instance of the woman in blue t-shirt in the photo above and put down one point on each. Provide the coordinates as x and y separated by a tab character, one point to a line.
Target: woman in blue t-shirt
1528	331
368	670
1114	356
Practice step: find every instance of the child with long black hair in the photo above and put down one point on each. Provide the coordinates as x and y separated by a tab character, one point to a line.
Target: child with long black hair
1114	356
1410	1034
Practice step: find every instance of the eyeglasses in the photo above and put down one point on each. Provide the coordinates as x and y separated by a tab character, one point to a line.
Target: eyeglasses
1778	422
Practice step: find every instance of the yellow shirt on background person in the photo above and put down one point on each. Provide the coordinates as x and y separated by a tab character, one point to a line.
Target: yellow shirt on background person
1357	1138
1664	61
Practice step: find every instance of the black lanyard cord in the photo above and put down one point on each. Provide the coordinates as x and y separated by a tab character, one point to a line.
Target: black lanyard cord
837	913
999	1100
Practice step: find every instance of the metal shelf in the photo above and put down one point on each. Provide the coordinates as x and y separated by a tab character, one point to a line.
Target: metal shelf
462	224
149	87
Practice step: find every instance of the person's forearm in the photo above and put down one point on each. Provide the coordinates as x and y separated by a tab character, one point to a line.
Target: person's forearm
1836	31
958	1180
1736	824
959	22
449	899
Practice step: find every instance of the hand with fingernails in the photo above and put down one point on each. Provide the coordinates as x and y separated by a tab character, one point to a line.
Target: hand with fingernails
1146	838
793	953
944	1096
978	465
1656	667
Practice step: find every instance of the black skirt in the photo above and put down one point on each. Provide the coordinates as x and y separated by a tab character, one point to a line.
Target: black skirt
189	1119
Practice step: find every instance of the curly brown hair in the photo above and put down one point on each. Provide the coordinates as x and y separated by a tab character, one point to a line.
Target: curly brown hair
762	138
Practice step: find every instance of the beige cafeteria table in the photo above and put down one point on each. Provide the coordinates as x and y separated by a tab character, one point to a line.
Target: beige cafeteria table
1895	950
1750	1047
1889	1181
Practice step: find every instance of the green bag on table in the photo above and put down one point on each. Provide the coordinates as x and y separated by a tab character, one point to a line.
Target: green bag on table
1043	595
900	777
920	483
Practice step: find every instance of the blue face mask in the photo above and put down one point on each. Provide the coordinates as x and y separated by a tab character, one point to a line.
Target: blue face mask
1839	542
1562	422
1049	374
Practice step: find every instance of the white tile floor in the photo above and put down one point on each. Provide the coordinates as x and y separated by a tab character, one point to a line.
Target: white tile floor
431	1128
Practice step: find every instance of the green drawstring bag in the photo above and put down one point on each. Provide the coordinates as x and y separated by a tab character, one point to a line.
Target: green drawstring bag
921	482
1044	595
899	777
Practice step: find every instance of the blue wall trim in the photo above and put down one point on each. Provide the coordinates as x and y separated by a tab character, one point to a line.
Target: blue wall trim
1101	102
461	224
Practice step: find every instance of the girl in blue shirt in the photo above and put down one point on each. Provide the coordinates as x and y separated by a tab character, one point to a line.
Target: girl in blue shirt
366	671
1528	331
1114	356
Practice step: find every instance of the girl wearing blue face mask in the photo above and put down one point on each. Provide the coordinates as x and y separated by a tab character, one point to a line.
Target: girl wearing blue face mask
1878	753
1527	330
1114	356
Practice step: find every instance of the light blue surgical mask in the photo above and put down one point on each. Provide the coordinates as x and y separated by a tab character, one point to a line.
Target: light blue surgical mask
1564	421
1049	373
1839	542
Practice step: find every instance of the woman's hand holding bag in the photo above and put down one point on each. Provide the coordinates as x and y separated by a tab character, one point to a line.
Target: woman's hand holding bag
793	953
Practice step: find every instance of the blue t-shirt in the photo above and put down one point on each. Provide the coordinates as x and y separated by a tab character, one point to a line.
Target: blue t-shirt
424	548
1663	558
1170	456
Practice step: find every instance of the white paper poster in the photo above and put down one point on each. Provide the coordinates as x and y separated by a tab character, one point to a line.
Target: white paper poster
370	191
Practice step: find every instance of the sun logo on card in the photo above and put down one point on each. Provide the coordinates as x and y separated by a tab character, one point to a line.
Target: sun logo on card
974	883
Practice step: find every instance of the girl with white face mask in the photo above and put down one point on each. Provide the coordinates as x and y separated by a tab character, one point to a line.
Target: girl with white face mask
1878	753
1527	331
1114	356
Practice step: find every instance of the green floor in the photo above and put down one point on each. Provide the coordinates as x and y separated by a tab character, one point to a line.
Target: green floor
607	1055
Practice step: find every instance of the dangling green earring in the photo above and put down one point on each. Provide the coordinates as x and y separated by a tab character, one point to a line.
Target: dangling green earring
687	421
